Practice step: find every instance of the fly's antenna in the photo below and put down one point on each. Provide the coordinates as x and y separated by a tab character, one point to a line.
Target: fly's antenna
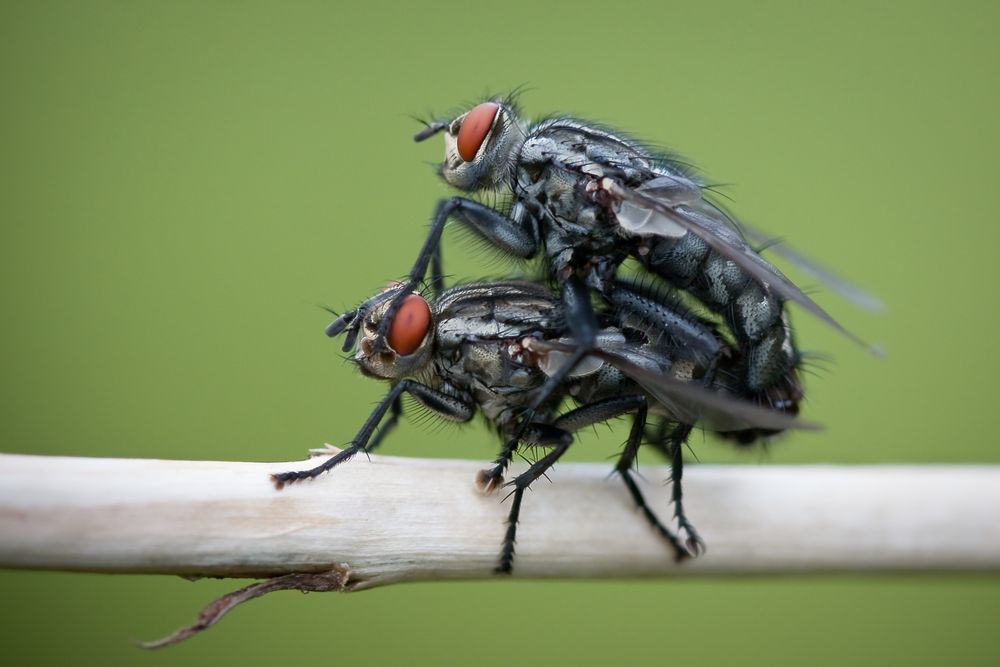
335	328
430	129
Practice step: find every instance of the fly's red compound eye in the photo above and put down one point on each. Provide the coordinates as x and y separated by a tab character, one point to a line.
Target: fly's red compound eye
413	320
474	129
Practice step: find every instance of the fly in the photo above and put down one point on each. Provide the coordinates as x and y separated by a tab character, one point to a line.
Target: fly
503	349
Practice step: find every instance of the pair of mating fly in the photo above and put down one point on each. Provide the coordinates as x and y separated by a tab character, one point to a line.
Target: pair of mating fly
588	198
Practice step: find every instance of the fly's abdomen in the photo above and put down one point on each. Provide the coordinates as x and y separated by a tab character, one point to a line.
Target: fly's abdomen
752	313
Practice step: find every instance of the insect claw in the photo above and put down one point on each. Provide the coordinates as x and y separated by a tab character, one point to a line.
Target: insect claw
695	544
489	481
278	482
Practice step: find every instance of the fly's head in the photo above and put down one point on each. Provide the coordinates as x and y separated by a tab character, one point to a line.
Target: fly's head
480	145
409	341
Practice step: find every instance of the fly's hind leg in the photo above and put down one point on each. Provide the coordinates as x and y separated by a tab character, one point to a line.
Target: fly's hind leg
671	445
624	468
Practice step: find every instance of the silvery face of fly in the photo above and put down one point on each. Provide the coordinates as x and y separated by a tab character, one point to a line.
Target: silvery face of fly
480	147
410	341
495	347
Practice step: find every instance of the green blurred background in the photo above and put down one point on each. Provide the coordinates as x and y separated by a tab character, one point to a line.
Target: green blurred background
182	183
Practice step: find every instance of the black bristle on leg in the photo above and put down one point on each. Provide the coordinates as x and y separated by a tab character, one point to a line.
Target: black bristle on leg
624	468
694	542
506	562
520	483
282	478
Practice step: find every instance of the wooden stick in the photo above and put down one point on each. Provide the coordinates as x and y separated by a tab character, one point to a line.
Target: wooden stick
393	519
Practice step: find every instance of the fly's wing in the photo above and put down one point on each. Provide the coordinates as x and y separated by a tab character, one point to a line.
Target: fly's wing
676	190
687	402
670	219
837	284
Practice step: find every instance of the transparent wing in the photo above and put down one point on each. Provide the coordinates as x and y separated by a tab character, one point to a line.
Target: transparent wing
844	288
668	219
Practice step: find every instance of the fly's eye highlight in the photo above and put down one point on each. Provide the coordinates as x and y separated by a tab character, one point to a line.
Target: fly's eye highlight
474	129
410	325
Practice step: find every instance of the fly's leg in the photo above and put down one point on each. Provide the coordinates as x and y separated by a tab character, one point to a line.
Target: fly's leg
504	232
437	272
357	445
657	432
522	482
490	480
395	412
624	468
672	446
560	435
694	542
535	433
506	563
583	325
447	406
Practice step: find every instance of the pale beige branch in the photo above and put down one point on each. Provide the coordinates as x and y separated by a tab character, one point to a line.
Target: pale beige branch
393	519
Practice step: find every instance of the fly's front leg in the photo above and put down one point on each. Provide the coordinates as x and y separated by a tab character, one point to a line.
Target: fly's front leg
357	445
437	272
506	233
395	412
445	405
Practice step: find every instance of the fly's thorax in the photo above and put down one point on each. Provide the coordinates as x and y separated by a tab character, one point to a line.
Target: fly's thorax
409	342
586	149
480	147
495	311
